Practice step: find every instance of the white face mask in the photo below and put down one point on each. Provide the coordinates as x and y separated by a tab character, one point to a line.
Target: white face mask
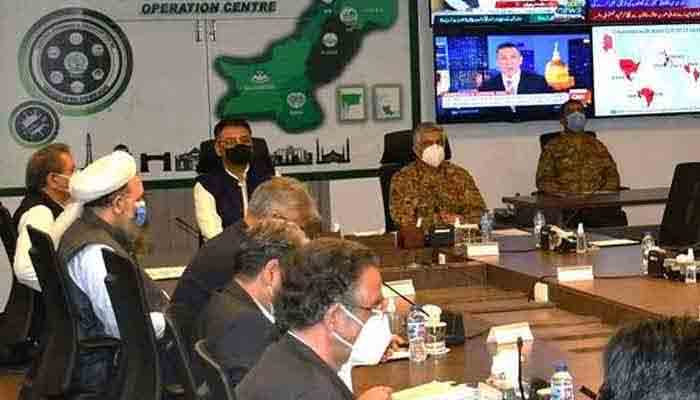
369	347
433	155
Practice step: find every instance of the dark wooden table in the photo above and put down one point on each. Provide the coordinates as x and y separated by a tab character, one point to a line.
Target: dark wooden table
632	197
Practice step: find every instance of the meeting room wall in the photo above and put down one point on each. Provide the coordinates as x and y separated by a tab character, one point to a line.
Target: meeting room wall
503	157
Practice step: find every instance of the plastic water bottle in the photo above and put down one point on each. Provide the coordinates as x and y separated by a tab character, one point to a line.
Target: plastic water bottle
647	245
394	318
562	383
486	226
415	330
581	244
538	222
691	268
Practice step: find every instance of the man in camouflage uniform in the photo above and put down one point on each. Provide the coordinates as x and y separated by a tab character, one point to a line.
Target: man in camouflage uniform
576	162
433	189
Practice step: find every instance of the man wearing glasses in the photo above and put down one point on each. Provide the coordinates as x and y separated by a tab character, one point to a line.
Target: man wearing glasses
221	196
330	292
48	173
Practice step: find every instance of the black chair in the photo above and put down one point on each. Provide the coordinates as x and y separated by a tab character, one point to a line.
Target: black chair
60	345
215	377
16	335
176	346
139	364
680	226
209	161
398	152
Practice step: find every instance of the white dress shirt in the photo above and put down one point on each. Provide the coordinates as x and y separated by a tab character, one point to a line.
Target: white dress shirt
87	269
514	82
41	218
208	220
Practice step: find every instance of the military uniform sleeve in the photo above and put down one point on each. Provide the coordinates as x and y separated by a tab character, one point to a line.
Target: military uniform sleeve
546	180
474	203
401	205
610	172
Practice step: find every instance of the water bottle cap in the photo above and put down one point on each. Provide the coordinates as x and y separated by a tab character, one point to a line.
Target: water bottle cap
390	305
560	366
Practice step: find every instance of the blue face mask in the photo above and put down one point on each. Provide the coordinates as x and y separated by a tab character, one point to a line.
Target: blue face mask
141	214
576	121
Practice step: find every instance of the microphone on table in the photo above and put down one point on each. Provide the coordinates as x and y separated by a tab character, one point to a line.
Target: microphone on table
404	298
184	226
455	323
520	367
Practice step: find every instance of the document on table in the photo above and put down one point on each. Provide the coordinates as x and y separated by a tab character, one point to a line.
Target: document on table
511	232
614	242
437	391
162	273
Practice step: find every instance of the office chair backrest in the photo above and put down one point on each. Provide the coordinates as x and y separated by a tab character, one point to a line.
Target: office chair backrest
178	348
216	378
60	344
16	320
209	161
138	361
8	233
680	226
398	152
547	137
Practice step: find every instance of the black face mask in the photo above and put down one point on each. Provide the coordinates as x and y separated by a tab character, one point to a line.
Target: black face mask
239	154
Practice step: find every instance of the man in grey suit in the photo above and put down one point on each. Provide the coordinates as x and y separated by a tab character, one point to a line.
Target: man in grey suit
238	323
331	288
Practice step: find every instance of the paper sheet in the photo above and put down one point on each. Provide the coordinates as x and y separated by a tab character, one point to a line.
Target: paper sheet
613	242
162	273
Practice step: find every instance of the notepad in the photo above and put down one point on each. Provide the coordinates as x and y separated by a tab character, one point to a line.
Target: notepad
613	242
162	273
437	391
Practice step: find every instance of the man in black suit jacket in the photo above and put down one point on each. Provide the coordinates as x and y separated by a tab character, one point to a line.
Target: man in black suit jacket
215	264
331	288
513	80
238	322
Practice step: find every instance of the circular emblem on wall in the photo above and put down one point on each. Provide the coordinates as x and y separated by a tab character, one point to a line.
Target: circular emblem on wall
349	16
296	100
76	59
34	123
330	39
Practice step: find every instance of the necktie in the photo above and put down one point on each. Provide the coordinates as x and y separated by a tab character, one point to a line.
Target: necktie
509	86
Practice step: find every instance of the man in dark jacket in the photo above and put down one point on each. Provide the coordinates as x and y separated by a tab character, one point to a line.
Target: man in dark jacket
214	265
221	196
239	322
331	288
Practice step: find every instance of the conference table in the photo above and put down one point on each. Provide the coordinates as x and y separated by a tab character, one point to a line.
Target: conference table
553	205
617	295
630	197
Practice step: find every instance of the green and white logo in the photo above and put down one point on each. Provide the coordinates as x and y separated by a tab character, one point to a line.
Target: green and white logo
260	77
349	16
76	59
34	123
330	39
296	100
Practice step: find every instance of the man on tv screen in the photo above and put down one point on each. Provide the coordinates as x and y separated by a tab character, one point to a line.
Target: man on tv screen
512	79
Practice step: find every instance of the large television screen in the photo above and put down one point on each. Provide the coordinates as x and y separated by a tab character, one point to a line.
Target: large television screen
652	69
615	11
513	12
483	75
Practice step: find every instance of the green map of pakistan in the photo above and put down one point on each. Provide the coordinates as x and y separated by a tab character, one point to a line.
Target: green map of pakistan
280	83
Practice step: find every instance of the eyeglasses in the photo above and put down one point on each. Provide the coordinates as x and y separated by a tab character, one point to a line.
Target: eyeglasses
373	311
234	141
